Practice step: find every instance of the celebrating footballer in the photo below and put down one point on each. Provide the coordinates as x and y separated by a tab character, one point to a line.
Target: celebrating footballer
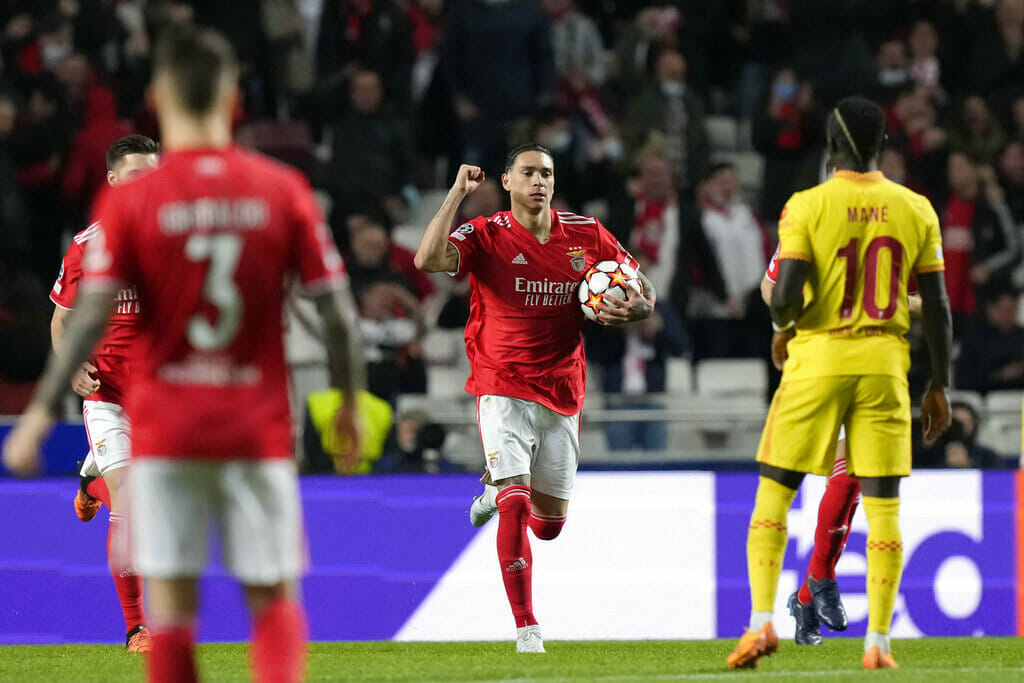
525	346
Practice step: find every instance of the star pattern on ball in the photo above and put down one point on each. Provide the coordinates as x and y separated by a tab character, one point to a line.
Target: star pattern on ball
618	278
593	301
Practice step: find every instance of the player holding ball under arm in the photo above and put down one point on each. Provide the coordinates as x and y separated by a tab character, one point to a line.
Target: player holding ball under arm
525	346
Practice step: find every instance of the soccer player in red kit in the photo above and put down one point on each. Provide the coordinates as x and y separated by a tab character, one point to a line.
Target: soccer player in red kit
212	239
524	342
100	381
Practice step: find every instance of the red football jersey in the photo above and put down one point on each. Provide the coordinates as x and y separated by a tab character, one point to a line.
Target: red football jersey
111	355
524	335
210	239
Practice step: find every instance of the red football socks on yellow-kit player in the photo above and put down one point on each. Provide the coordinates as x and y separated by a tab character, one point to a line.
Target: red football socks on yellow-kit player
835	515
514	508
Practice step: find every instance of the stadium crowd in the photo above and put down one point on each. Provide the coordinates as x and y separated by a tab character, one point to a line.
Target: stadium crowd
683	126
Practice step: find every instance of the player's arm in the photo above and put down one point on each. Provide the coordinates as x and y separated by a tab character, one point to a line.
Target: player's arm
786	304
345	364
435	253
766	290
937	323
83	383
84	329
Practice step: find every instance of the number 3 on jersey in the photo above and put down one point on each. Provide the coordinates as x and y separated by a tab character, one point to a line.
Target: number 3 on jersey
219	288
851	254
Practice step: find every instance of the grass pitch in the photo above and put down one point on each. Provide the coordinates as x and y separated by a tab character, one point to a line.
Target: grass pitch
931	659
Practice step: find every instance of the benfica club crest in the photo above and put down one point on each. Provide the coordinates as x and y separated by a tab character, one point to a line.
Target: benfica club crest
577	260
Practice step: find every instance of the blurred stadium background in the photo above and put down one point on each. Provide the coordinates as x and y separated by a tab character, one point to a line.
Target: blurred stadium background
683	126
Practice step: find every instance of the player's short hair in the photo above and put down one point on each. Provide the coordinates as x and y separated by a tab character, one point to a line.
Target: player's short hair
197	59
510	160
130	144
858	125
716	167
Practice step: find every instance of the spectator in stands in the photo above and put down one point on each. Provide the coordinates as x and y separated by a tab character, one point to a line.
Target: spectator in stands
668	117
391	321
498	63
653	29
732	323
369	34
925	68
1011	178
578	50
37	149
787	131
415	447
1017	116
372	160
654	239
15	238
323	448
958	447
978	236
632	360
892	70
85	171
24	331
992	356
893	165
997	57
977	131
371	265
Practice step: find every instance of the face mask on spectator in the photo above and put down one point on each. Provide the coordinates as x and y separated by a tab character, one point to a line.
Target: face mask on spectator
673	88
54	53
559	141
892	76
785	90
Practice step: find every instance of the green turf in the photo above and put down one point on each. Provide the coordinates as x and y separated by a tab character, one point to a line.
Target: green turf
932	659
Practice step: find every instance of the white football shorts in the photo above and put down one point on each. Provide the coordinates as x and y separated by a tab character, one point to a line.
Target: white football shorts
254	504
523	437
109	434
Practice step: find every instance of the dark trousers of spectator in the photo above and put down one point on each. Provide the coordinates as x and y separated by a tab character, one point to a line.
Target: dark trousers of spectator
390	378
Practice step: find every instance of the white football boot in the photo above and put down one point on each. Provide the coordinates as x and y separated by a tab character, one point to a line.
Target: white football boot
484	506
529	640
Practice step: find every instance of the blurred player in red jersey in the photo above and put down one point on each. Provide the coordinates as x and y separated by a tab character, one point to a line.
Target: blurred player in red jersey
211	240
817	601
524	342
100	381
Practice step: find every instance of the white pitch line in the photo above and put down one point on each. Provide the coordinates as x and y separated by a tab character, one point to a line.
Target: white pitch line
763	674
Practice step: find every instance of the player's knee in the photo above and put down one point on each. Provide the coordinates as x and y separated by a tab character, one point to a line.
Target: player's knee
546	527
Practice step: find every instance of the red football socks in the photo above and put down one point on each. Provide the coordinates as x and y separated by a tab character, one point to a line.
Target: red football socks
172	657
97	488
514	554
546	527
835	514
279	643
127	581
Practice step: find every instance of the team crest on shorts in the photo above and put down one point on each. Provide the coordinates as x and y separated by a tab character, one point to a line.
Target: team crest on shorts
577	260
101	447
492	459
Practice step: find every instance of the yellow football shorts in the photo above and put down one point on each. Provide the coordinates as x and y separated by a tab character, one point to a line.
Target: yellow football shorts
803	425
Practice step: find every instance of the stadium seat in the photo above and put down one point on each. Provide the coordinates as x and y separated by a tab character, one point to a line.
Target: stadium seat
749	170
408	235
444	347
1000	427
446	382
733	376
722	133
678	376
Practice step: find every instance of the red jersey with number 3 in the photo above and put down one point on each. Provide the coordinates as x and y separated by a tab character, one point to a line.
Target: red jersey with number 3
524	335
111	355
211	238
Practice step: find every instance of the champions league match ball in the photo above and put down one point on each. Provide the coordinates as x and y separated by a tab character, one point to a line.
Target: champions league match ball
609	279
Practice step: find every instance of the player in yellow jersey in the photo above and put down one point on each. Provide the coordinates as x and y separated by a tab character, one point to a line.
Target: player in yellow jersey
847	250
